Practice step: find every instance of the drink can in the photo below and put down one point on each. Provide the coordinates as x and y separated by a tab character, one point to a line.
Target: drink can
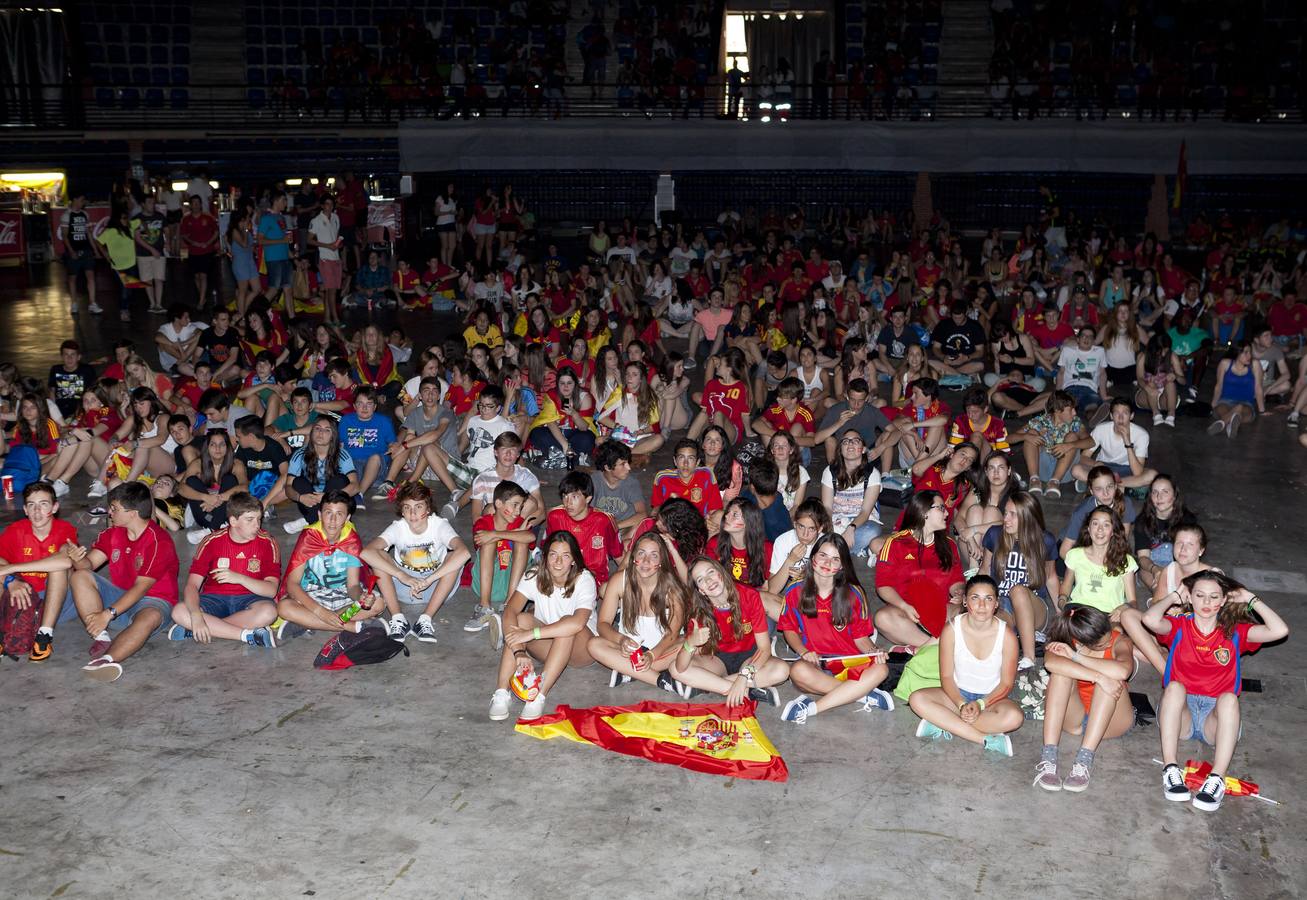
636	655
7	484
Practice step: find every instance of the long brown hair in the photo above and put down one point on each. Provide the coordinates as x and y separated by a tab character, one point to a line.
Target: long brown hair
1230	614
1029	539
668	600
544	581
701	608
1117	555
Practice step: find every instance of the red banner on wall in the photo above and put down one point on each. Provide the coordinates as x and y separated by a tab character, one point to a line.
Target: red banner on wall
13	246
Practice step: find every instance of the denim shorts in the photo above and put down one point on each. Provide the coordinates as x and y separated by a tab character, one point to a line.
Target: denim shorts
1200	707
970	697
223	605
110	593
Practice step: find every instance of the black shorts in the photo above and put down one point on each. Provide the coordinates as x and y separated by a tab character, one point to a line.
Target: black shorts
200	264
349	236
1122	376
734	661
173	217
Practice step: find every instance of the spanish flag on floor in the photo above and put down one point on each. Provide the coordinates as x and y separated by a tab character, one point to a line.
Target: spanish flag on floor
1196	773
712	738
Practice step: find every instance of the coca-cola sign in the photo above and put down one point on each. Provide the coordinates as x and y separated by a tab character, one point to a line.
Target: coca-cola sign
12	245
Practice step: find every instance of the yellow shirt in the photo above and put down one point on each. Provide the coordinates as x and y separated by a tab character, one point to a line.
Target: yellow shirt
492	338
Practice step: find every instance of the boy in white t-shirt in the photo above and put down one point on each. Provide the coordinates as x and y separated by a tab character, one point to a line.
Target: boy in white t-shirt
418	560
1082	371
1122	446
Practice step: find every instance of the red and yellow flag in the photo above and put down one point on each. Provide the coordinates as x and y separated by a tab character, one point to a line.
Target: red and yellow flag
712	738
1195	773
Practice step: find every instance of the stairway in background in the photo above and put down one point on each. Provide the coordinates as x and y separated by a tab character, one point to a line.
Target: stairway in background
218	49
581	13
966	46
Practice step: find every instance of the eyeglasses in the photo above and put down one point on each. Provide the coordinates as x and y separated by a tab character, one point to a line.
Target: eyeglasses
935	506
853	441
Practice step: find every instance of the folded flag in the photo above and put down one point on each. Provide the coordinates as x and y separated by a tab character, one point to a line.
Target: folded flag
712	738
1195	773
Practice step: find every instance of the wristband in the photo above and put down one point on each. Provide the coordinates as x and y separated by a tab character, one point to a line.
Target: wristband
687	646
9	579
535	633
1254	599
113	613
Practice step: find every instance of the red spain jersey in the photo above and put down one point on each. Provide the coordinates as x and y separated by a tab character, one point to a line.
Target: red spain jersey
819	633
781	421
732	400
953	492
740	558
1206	664
259	559
913	571
993	431
701	491
596	534
152	555
19	545
752	621
503	548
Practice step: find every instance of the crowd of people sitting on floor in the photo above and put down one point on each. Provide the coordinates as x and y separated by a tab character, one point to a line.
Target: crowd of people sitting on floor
734	569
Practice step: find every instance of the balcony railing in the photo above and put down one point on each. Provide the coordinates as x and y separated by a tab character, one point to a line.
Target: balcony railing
379	105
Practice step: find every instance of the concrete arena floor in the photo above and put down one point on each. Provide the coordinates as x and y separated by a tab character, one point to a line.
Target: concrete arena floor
223	771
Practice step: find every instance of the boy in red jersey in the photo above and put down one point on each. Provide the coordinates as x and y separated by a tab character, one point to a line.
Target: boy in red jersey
593	528
141	588
977	425
688	480
788	414
232	584
35	555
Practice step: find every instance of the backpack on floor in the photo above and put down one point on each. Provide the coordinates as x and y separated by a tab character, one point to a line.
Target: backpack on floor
23	465
18	626
349	649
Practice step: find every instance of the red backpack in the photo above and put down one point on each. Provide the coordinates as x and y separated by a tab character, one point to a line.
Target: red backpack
348	649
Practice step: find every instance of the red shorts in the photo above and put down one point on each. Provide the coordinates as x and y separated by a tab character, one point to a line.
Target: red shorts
329	274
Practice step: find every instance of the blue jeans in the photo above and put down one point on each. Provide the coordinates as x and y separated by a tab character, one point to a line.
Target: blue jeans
1048	462
1085	396
863	535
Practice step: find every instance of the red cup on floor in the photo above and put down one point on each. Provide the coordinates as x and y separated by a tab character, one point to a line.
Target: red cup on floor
7	485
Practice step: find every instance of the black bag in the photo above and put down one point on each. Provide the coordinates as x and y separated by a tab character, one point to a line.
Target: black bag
349	649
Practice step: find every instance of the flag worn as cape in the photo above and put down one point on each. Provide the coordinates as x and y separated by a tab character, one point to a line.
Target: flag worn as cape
1195	773
312	541
712	738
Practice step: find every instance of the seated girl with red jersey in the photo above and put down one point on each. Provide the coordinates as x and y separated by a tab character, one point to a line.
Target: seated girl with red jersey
826	621
1202	680
919	574
725	400
741	546
727	650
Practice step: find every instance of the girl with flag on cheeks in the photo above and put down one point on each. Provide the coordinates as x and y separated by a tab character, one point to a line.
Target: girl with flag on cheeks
826	621
727	650
1202	677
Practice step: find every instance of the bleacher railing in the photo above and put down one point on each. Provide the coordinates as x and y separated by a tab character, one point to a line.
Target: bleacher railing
273	107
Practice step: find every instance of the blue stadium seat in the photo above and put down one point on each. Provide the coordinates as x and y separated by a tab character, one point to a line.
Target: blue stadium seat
130	98
104	96
254	55
330	36
371	36
181	14
258	98
112	33
853	33
181	36
275	56
95	53
159	34
253	15
181	55
309	17
117	54
159	75
121	75
101	74
254	76
154	98
138	54
253	36
158	55
293	37
181	75
294	56
179	98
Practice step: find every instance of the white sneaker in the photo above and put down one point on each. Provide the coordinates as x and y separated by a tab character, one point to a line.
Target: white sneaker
1158	418
60	487
295	526
1169	420
95	309
72	309
1292	420
98	489
196	535
535	708
1024	663
499	705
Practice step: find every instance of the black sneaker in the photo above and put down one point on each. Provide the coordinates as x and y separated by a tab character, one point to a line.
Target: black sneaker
672	686
1173	786
41	647
1210	795
765	695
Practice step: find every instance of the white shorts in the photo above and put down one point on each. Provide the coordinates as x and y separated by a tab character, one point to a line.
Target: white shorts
152	268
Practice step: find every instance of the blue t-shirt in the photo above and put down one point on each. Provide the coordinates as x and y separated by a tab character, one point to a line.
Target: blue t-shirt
300	466
775	518
363	439
270	227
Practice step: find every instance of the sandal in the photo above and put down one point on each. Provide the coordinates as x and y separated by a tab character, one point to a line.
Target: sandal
1035	486
1053	490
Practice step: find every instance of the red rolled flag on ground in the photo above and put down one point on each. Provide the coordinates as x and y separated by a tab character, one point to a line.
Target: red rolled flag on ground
712	738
